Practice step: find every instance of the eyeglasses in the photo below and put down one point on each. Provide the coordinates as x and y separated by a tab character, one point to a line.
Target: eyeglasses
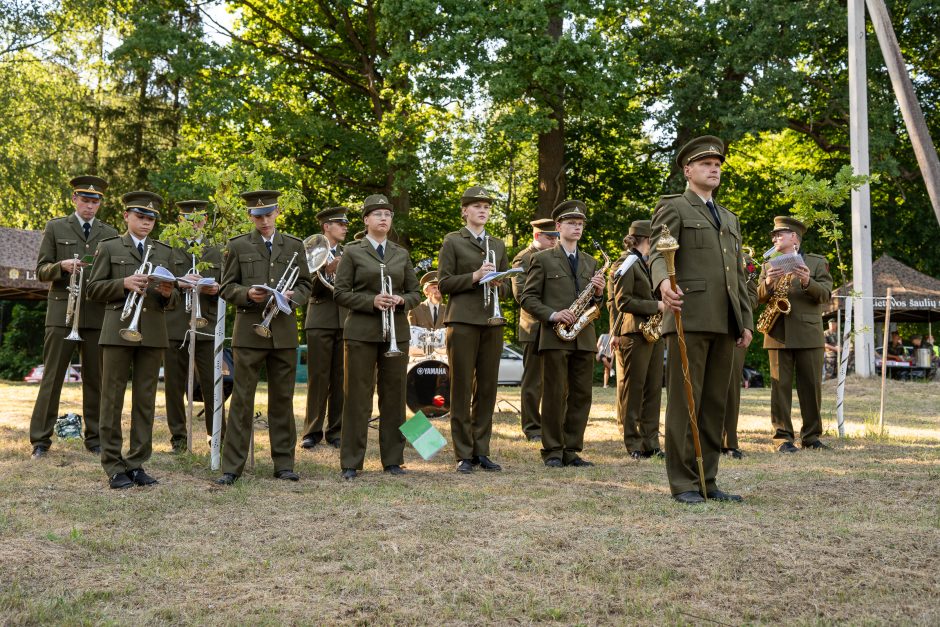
381	213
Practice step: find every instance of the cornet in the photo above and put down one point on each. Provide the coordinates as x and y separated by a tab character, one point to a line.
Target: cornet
388	315
192	296
74	306
134	303
490	291
284	285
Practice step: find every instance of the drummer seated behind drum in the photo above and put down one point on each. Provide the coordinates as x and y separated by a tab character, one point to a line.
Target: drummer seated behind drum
429	313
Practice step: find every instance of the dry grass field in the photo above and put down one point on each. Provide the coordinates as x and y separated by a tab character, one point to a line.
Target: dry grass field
850	535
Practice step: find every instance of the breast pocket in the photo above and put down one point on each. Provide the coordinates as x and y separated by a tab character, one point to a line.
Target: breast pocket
66	247
694	233
252	267
123	266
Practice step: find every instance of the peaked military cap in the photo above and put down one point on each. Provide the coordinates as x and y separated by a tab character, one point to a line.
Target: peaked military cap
570	209
787	223
189	206
476	194
89	186
374	202
144	203
428	277
544	225
261	202
700	148
333	214
641	228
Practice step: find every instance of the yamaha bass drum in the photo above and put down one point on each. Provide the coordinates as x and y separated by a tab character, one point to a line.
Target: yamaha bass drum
428	387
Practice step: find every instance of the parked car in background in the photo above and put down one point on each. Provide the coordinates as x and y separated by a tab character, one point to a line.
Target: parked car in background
72	375
510	366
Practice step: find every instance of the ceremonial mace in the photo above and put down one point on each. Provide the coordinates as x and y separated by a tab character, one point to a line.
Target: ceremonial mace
667	246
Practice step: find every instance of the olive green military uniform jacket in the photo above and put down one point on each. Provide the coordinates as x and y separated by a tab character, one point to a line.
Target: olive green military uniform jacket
631	297
550	287
322	310
63	238
177	320
528	324
421	316
358	282
709	266
247	263
802	328
117	258
460	256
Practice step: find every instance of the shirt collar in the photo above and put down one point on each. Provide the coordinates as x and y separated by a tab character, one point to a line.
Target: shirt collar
136	241
477	235
376	244
82	222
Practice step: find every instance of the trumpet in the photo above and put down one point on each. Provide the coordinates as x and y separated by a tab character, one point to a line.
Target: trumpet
490	291
388	315
319	253
74	306
285	284
134	303
192	299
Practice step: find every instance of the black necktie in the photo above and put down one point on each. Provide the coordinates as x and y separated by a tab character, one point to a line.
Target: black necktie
381	250
711	207
573	262
140	249
270	246
434	314
480	239
333	252
87	228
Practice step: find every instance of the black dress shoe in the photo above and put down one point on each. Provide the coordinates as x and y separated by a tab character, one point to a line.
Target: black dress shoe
465	466
554	462
394	469
689	498
334	443
656	452
226	479
177	447
787	447
349	474
308	443
287	475
733	453
39	451
718	495
577	462
120	481
94	450
140	477
637	455
817	445
487	464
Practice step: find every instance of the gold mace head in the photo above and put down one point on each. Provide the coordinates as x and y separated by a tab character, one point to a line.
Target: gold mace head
667	246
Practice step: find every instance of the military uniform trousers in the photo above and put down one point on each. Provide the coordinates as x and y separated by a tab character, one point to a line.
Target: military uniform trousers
176	373
366	365
733	403
281	366
56	355
141	364
710	356
808	363
473	352
639	391
567	379
531	389
324	384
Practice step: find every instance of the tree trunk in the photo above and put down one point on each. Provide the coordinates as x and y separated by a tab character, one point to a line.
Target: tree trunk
551	144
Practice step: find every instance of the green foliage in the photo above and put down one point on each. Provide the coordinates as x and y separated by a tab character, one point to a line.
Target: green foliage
22	339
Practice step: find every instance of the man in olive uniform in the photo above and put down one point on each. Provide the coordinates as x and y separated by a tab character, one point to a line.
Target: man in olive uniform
429	313
324	331
729	439
135	344
176	358
716	315
544	237
263	257
795	341
63	240
832	349
555	279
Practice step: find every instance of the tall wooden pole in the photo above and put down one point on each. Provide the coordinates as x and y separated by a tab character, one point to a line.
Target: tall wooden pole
861	198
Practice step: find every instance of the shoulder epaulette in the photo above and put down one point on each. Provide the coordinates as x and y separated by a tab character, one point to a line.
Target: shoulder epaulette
108	239
59	219
293	237
818	256
238	236
664	196
164	244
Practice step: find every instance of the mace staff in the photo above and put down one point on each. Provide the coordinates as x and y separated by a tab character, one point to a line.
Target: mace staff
667	246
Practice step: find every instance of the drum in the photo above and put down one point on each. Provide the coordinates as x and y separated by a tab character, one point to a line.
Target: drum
922	357
416	344
437	341
428	387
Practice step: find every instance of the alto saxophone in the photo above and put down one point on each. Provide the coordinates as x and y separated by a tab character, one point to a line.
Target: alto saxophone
778	304
652	329
583	308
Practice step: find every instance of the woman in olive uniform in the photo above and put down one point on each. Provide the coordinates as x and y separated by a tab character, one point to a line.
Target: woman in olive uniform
358	289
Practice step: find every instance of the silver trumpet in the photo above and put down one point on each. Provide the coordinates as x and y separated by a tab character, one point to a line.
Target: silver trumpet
192	296
490	291
74	306
134	303
318	250
388	315
284	285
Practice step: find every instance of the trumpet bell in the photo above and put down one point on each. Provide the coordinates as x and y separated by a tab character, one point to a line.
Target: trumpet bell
74	336
201	323
262	330
393	351
131	335
496	321
317	251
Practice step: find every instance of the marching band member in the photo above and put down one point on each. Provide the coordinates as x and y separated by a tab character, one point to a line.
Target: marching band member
474	344
265	256
121	268
366	265
176	357
639	362
555	280
544	237
429	314
324	331
63	239
729	438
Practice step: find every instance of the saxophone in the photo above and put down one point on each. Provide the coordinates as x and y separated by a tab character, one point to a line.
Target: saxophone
652	329
778	304
583	307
